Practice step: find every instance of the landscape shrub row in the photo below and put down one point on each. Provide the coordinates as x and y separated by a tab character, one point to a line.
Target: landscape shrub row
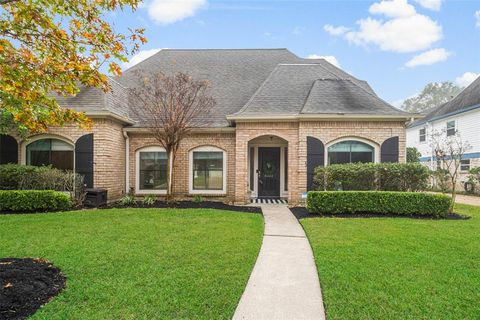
33	200
372	176
378	202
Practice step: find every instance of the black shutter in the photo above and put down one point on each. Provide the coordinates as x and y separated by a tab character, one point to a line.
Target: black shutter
84	158
315	158
8	149
390	149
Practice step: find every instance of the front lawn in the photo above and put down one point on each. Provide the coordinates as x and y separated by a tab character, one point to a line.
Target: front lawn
140	263
398	268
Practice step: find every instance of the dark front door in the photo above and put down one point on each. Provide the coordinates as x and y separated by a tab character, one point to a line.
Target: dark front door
268	172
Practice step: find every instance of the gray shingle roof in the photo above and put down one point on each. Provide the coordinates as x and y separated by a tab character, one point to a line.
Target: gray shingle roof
293	89
247	81
94	100
464	101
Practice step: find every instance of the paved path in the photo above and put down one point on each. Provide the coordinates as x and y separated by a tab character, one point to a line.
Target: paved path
284	282
460	198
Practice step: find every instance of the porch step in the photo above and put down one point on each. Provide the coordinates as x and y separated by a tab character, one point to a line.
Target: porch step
269	201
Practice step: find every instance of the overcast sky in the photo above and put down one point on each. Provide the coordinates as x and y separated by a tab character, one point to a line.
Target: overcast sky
398	46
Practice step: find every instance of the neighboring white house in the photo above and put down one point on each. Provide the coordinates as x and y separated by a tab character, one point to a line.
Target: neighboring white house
460	115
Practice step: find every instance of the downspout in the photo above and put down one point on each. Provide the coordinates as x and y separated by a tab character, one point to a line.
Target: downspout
127	162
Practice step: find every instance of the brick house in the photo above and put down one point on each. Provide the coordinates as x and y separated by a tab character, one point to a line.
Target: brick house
276	118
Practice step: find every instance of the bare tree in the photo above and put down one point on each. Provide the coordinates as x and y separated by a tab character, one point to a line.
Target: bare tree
449	151
173	105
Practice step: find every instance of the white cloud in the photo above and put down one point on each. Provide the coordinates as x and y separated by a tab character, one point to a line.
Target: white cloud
393	8
429	57
477	17
434	5
336	31
466	79
139	57
332	59
170	11
404	30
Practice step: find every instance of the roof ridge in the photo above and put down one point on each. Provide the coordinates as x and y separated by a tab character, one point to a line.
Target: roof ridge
221	49
257	91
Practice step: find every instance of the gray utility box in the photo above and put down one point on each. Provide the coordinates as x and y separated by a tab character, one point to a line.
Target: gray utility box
95	197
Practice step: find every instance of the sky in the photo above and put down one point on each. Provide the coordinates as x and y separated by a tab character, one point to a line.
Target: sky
398	46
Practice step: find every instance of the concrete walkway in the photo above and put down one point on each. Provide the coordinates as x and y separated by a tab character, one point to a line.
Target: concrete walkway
284	282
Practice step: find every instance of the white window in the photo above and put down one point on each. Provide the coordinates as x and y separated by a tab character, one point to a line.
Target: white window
422	135
350	151
451	130
151	171
465	165
46	152
207	171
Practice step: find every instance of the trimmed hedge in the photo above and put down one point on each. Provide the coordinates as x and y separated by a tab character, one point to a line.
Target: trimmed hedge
378	202
372	176
33	200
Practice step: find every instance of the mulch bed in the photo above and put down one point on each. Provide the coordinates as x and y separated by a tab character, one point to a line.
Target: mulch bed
192	205
27	284
302	213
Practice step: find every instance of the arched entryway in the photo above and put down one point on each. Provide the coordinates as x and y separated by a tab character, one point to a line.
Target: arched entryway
268	167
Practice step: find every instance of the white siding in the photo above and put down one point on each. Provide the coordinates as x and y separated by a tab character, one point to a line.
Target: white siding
467	125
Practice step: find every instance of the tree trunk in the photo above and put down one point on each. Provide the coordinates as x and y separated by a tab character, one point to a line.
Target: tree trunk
454	194
169	176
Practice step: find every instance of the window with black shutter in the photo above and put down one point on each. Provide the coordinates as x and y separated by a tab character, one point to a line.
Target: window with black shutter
390	150
84	158
315	158
8	149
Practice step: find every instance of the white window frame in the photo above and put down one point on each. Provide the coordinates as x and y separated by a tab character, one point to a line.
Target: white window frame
454	128
223	191
469	165
376	147
137	170
23	158
424	135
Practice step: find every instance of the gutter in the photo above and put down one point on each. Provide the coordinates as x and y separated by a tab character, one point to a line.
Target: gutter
320	117
194	130
108	114
127	161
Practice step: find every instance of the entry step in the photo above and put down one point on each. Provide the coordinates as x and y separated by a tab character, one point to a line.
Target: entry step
269	201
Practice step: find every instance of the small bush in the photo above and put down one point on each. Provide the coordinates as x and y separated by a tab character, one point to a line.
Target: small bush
128	200
378	202
198	199
33	200
372	176
149	199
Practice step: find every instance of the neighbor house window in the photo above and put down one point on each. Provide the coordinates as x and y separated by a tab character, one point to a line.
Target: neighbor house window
207	170
465	165
451	130
54	152
152	170
422	135
350	152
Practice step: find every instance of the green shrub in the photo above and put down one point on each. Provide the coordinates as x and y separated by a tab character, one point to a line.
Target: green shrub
378	202
33	200
198	199
372	176
149	199
128	200
12	175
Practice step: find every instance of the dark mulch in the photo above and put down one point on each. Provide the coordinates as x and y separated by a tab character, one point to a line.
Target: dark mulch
302	213
26	285
192	205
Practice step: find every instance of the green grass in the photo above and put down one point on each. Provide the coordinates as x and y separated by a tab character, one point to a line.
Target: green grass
140	263
398	268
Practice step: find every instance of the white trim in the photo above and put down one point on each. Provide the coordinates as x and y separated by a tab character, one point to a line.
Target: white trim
137	170
25	143
338	116
376	147
190	171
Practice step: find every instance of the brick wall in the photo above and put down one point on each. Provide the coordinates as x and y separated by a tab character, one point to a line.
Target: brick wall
109	152
224	141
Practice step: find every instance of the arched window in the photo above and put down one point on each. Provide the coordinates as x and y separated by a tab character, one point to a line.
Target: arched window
151	170
207	170
350	151
8	149
54	152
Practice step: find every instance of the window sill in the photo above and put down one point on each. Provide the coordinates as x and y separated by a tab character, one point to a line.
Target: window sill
208	192
144	192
